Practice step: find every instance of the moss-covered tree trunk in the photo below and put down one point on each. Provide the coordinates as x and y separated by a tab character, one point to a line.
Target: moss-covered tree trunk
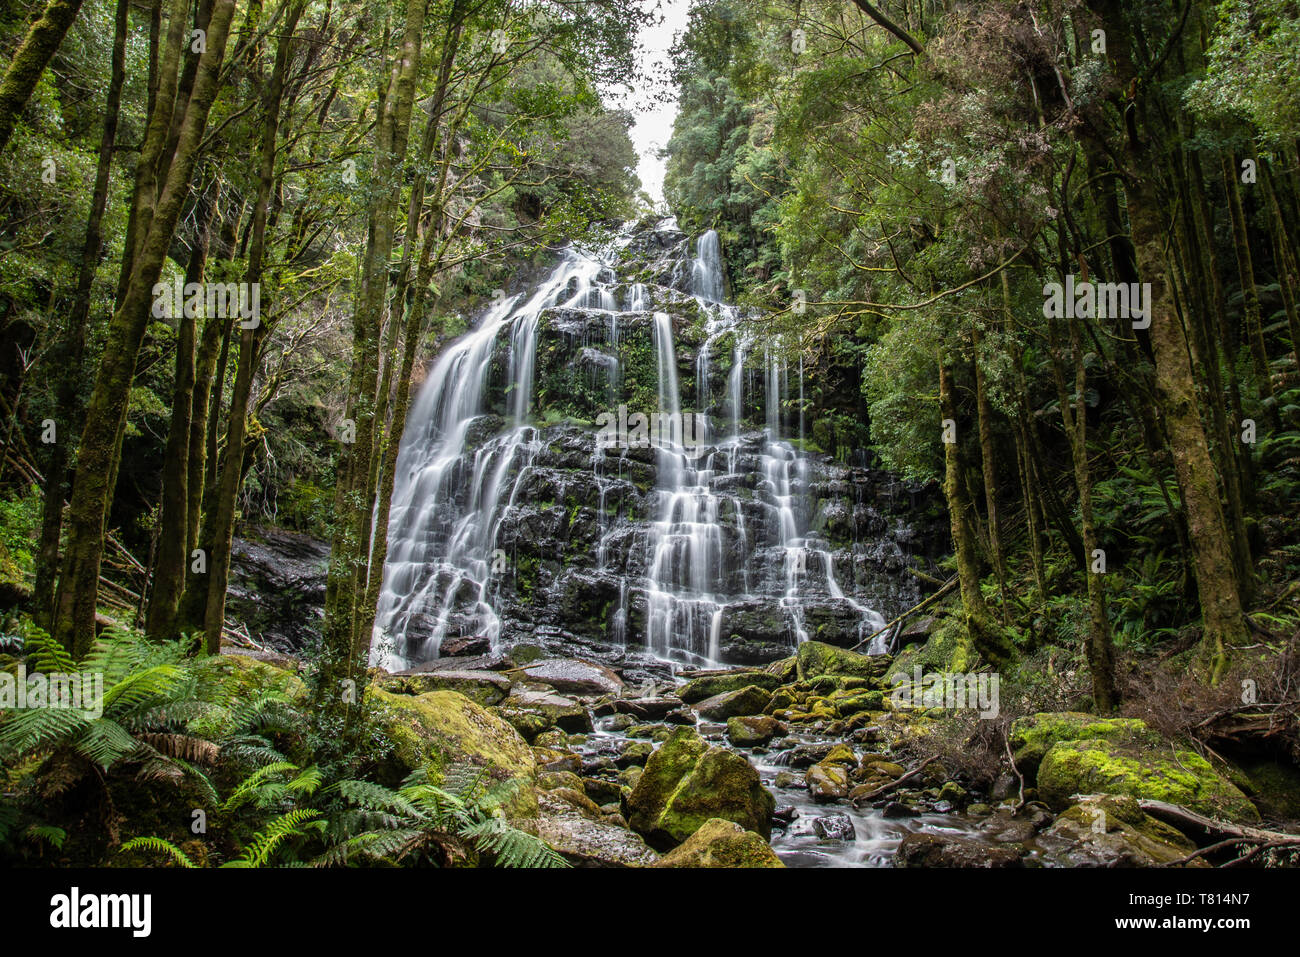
30	60
72	348
981	634
1220	599
346	647
250	348
74	620
1249	293
172	557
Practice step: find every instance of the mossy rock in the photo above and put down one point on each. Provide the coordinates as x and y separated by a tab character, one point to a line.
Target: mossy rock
686	783
482	687
851	701
1032	736
785	669
1113	831
247	677
1276	788
752	731
707	686
941	652
748	700
815	659
720	843
1098	766
440	728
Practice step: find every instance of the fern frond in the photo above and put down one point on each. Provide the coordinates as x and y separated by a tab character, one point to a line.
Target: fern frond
157	845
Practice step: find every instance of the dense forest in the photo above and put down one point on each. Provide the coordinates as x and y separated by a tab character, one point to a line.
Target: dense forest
391	477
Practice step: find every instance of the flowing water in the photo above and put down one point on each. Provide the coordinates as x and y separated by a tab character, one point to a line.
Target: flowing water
726	528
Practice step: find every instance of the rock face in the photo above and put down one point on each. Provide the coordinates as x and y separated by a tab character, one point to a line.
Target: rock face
719	843
567	530
686	782
438	729
277	587
1098	766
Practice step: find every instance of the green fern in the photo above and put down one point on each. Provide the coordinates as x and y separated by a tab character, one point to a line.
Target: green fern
157	845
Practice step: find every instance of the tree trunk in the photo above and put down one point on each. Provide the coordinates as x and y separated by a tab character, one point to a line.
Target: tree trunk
74	342
30	60
106	413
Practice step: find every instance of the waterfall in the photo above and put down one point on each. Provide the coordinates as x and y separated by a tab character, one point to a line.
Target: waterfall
721	529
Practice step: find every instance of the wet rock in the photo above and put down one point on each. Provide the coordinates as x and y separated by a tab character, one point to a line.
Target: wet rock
560	711
1106	831
745	701
827	782
835	827
575	677
277	587
462	647
897	809
636	752
587	842
647	709
602	790
753	731
707	686
925	849
721	843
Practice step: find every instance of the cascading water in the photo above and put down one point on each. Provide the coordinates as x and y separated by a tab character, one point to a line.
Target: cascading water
688	543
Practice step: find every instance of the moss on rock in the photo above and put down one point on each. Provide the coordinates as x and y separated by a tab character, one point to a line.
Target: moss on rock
686	782
1098	766
440	728
721	843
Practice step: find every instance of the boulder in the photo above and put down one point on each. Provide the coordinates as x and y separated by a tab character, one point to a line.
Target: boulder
815	659
484	687
559	711
706	686
744	701
827	782
721	843
686	782
438	729
575	676
1107	831
1033	735
1098	766
924	849
835	827
583	840
752	731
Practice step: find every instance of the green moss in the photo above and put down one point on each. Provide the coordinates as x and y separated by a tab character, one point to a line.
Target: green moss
1097	766
441	728
1032	736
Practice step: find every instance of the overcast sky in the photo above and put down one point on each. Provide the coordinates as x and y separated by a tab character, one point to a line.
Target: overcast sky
654	119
